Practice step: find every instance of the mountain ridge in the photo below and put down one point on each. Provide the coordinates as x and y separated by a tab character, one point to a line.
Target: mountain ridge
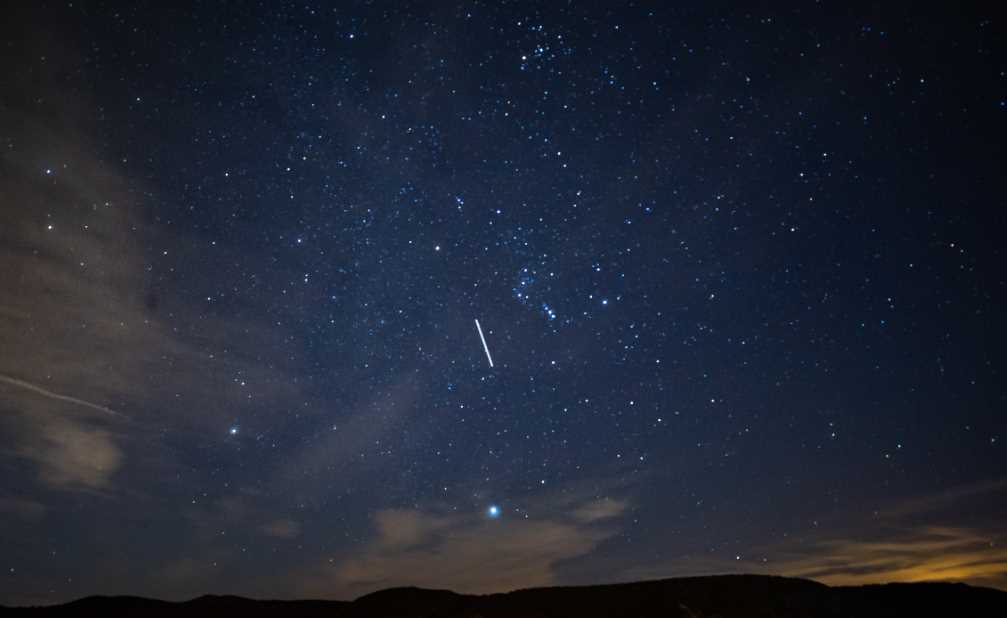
723	596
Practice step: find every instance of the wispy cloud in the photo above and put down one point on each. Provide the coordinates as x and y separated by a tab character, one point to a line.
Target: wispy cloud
951	498
93	363
598	510
281	529
71	454
22	507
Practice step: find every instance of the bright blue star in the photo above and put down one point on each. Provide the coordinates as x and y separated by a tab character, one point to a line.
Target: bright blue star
493	511
233	430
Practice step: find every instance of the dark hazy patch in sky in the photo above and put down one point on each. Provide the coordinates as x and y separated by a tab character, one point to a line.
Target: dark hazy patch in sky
739	272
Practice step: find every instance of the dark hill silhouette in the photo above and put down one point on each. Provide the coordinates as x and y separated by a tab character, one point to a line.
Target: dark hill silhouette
724	596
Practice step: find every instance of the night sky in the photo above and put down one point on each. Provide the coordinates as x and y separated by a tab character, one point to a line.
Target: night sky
739	271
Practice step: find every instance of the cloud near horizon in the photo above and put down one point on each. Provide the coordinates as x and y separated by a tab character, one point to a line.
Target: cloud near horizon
897	550
469	553
930	553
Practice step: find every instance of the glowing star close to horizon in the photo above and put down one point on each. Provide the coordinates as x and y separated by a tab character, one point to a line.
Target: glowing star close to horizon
493	511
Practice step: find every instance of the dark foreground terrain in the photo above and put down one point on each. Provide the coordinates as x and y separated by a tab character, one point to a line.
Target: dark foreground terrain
725	596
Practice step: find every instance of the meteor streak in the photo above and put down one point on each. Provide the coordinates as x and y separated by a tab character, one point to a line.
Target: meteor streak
51	395
485	347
